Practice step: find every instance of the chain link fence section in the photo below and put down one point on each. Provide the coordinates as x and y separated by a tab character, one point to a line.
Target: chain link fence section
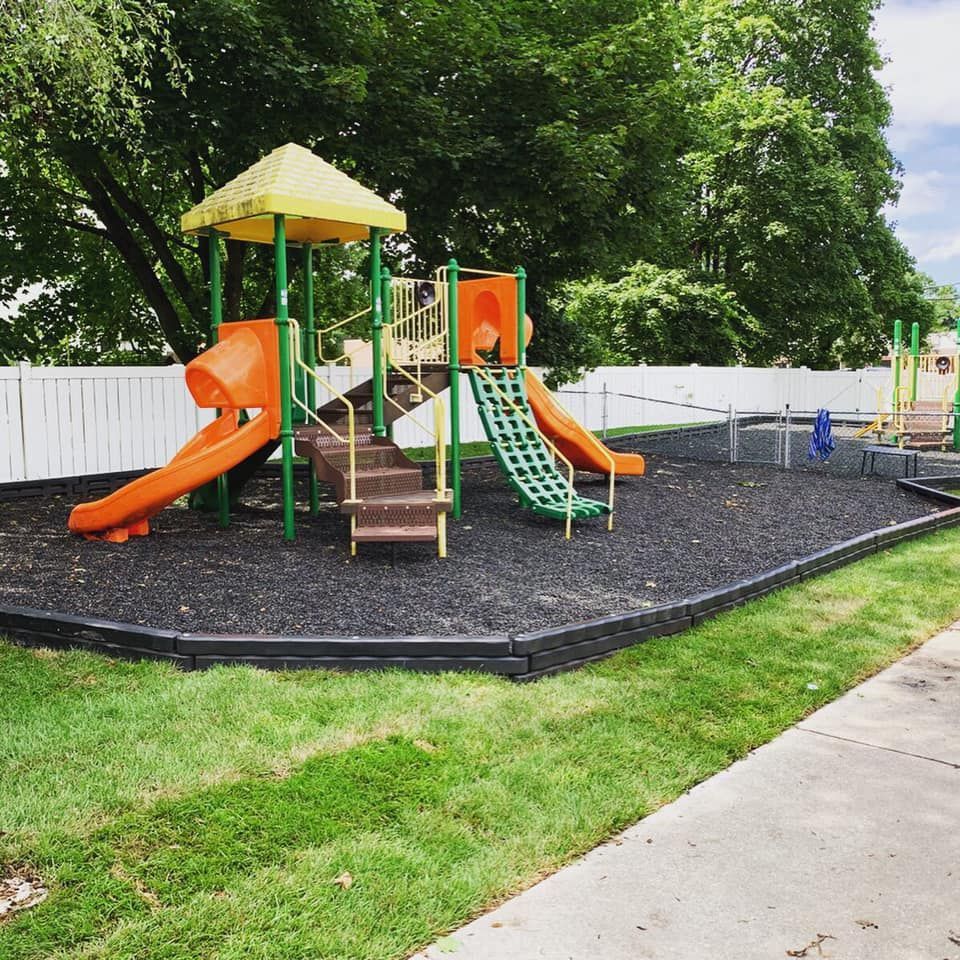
774	438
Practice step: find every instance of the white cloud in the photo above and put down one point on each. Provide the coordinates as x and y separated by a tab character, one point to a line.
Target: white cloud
921	41
943	248
927	191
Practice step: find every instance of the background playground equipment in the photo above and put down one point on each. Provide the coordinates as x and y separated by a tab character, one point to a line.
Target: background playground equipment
924	411
423	333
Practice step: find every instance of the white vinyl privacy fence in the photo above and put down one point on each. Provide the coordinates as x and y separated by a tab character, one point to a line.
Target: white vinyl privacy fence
72	421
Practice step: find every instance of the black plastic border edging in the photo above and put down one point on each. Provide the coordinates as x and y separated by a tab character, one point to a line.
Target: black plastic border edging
526	656
933	488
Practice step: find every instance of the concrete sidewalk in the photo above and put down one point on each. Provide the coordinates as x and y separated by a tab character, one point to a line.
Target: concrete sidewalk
839	839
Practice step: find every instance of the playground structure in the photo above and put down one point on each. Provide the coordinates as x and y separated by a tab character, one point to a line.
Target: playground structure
423	333
924	409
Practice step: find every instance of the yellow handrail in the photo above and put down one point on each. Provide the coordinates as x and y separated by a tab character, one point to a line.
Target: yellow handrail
417	334
440	448
296	360
875	425
568	528
343	356
612	475
481	273
901	403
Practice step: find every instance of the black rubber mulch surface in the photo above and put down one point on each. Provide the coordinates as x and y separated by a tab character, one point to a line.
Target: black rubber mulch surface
685	527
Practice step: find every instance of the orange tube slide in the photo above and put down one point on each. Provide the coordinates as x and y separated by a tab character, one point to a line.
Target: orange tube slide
575	441
240	372
214	450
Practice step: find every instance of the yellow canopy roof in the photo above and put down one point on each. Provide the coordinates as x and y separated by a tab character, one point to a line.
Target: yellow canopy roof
321	203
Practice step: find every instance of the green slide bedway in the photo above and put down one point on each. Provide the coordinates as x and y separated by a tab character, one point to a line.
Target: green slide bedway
519	447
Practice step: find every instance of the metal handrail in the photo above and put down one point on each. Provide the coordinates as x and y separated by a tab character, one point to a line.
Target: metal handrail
336	326
899	406
613	468
296	360
482	273
568	529
425	326
877	424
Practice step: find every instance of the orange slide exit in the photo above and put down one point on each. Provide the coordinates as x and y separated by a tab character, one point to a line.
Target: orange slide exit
240	372
575	441
488	317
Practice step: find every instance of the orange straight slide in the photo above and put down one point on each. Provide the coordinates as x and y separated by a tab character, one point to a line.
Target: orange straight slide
240	372
214	450
574	440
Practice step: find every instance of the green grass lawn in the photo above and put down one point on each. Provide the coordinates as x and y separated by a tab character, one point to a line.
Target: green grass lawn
207	815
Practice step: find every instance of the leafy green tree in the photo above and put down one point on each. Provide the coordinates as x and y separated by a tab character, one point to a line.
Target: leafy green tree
739	144
652	315
791	172
508	132
944	299
200	94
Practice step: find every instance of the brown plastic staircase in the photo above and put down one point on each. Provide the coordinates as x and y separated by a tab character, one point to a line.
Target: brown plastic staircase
926	427
391	505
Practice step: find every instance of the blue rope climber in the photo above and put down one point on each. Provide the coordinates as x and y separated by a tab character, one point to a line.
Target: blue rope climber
822	442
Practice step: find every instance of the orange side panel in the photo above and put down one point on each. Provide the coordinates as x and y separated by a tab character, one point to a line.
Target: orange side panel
487	312
241	371
214	450
573	440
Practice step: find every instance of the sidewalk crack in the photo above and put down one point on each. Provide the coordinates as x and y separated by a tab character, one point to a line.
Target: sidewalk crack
875	746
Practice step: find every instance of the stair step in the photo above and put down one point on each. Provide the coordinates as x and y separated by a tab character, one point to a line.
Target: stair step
386	481
367	457
321	439
425	500
394	514
419	533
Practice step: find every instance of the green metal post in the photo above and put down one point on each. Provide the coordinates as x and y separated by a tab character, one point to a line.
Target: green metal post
897	359
310	358
521	319
914	359
376	309
386	318
286	385
453	324
216	318
956	395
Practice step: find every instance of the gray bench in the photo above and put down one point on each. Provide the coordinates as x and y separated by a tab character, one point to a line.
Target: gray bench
874	450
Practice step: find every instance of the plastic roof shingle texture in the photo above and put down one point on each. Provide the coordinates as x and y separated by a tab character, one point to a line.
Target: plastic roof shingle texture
324	204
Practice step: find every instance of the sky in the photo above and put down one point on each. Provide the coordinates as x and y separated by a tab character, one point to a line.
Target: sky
921	39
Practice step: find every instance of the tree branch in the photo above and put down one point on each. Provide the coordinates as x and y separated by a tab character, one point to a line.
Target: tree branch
154	234
80	225
123	239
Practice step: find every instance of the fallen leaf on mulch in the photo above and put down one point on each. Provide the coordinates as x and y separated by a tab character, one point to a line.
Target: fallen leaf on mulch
19	890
